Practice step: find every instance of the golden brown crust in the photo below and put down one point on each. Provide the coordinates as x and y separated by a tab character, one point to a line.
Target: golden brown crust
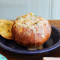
5	28
34	39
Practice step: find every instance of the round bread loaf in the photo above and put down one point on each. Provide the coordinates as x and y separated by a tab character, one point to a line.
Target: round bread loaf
31	31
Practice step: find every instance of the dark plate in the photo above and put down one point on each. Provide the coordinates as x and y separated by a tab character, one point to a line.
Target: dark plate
52	43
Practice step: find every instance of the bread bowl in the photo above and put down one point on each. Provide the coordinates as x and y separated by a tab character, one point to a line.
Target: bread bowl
31	31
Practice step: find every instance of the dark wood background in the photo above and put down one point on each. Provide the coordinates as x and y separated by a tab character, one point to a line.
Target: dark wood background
15	56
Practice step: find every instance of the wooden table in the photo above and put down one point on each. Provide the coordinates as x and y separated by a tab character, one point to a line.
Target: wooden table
15	56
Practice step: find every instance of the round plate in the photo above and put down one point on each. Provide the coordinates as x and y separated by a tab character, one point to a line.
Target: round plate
52	43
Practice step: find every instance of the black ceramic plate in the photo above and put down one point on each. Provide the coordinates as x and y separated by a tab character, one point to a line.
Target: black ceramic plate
52	43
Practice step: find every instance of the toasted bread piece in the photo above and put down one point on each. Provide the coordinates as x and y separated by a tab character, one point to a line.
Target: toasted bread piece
5	28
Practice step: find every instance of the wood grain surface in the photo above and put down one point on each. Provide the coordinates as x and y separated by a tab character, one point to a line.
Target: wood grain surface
15	56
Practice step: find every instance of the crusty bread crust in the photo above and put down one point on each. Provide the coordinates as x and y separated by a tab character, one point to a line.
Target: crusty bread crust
34	39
